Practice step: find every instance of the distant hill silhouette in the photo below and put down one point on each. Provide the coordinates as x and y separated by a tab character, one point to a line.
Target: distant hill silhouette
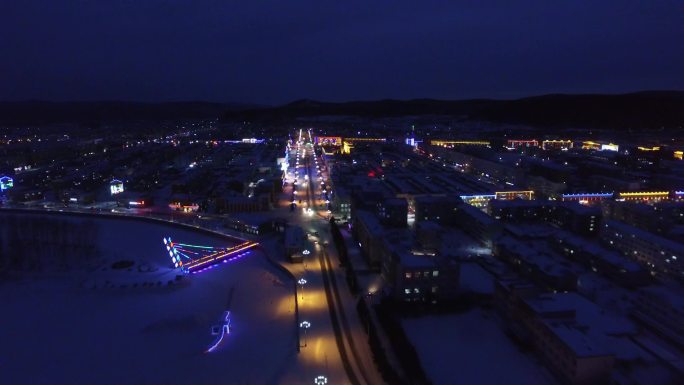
36	112
648	109
639	110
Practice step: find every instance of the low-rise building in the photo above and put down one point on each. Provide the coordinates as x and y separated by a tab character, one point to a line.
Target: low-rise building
604	261
368	232
393	212
575	217
440	209
518	210
543	268
653	251
549	323
478	224
661	309
412	274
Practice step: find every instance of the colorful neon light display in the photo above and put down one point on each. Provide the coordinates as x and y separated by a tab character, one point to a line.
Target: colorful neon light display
6	183
225	330
196	258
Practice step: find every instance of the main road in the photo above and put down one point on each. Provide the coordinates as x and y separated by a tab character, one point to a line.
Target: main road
327	279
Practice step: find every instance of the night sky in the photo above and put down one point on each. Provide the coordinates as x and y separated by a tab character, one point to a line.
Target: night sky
275	51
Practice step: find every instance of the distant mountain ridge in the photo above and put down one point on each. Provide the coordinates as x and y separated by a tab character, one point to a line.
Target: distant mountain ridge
647	109
638	110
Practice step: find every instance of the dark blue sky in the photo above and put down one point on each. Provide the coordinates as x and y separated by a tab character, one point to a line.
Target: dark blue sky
275	51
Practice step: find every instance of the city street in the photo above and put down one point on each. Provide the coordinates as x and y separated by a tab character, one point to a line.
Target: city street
325	301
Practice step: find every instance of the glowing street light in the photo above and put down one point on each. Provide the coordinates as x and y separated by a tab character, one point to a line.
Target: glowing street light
305	325
302	282
321	380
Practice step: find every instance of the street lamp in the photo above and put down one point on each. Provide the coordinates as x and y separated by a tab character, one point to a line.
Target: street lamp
321	380
302	282
305	325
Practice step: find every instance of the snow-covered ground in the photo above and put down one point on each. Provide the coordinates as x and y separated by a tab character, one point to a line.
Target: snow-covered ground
71	328
471	349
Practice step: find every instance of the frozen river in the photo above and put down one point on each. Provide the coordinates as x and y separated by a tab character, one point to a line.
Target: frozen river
72	328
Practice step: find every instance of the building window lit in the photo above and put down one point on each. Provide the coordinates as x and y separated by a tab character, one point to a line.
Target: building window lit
435	273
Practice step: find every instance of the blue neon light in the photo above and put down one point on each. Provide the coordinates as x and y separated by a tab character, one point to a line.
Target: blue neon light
225	330
606	195
478	196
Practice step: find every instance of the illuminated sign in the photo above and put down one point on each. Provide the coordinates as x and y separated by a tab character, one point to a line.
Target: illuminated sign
116	187
6	183
610	147
328	140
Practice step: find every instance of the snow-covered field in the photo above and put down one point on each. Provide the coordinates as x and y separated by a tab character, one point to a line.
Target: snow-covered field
72	328
471	349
